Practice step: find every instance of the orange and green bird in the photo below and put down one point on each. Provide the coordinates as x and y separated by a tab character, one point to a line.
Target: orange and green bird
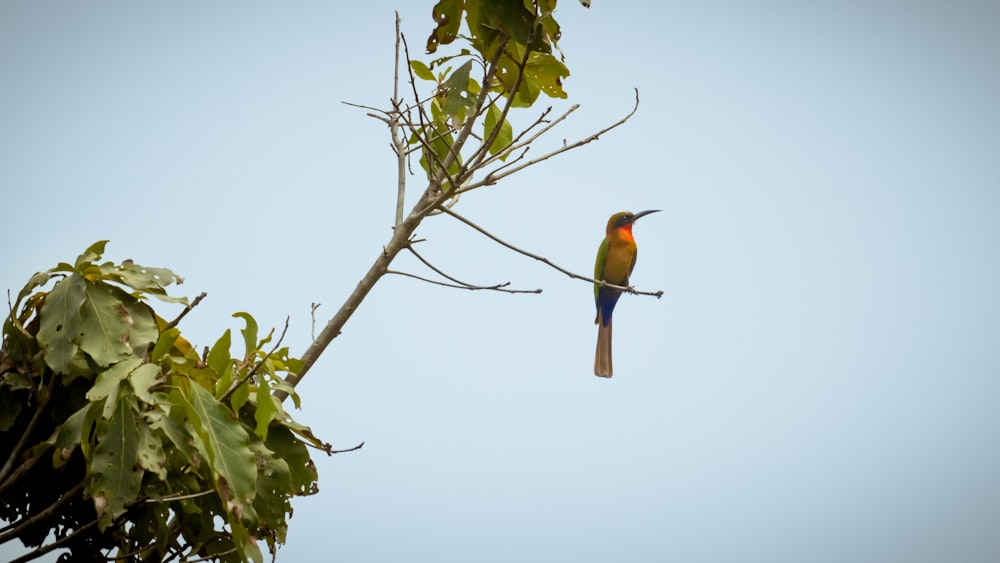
615	260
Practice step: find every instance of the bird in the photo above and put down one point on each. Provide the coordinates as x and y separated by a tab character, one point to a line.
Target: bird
615	261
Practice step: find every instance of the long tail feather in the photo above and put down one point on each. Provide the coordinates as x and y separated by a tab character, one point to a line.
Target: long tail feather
602	358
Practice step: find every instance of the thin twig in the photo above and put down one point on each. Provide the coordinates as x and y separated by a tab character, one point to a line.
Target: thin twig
493	177
466	285
245	378
499	287
362	106
312	313
627	289
421	112
179	497
520	140
358	447
186	310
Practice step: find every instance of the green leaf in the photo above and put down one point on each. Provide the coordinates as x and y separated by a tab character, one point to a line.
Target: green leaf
10	408
108	380
151	455
240	395
221	363
227	446
515	19
448	16
61	322
143	379
140	321
504	136
105	325
164	343
274	488
421	71
149	280
265	408
93	427
175	426
69	435
247	546
93	252
39	279
546	72
116	478
302	471
15	381
249	333
457	98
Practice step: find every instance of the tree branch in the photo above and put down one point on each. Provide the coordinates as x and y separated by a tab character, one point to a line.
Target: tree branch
433	199
627	289
493	177
186	310
358	447
477	157
22	443
462	284
498	287
42	550
42	515
397	144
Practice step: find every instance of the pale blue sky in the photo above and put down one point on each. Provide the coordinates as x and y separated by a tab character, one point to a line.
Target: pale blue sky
819	383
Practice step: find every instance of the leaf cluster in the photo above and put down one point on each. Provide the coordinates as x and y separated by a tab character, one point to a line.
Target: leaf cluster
512	45
116	435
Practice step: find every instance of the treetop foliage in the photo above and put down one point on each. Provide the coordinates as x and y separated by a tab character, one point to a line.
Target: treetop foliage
116	433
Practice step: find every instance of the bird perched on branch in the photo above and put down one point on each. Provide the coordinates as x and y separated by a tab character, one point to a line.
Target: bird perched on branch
615	260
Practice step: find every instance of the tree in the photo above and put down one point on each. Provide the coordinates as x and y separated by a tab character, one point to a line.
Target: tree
118	437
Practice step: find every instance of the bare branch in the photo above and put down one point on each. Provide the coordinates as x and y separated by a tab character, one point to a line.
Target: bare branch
518	143
312	313
502	287
358	447
371	108
186	310
462	284
398	145
421	113
627	289
493	177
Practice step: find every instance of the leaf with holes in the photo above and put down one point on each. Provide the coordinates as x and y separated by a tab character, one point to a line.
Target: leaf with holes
113	462
105	324
61	322
228	447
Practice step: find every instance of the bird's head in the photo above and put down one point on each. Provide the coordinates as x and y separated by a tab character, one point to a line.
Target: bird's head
625	219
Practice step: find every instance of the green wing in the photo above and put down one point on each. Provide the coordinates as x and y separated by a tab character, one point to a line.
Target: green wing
602	258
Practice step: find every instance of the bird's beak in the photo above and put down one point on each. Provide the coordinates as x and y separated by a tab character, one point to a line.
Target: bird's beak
643	214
